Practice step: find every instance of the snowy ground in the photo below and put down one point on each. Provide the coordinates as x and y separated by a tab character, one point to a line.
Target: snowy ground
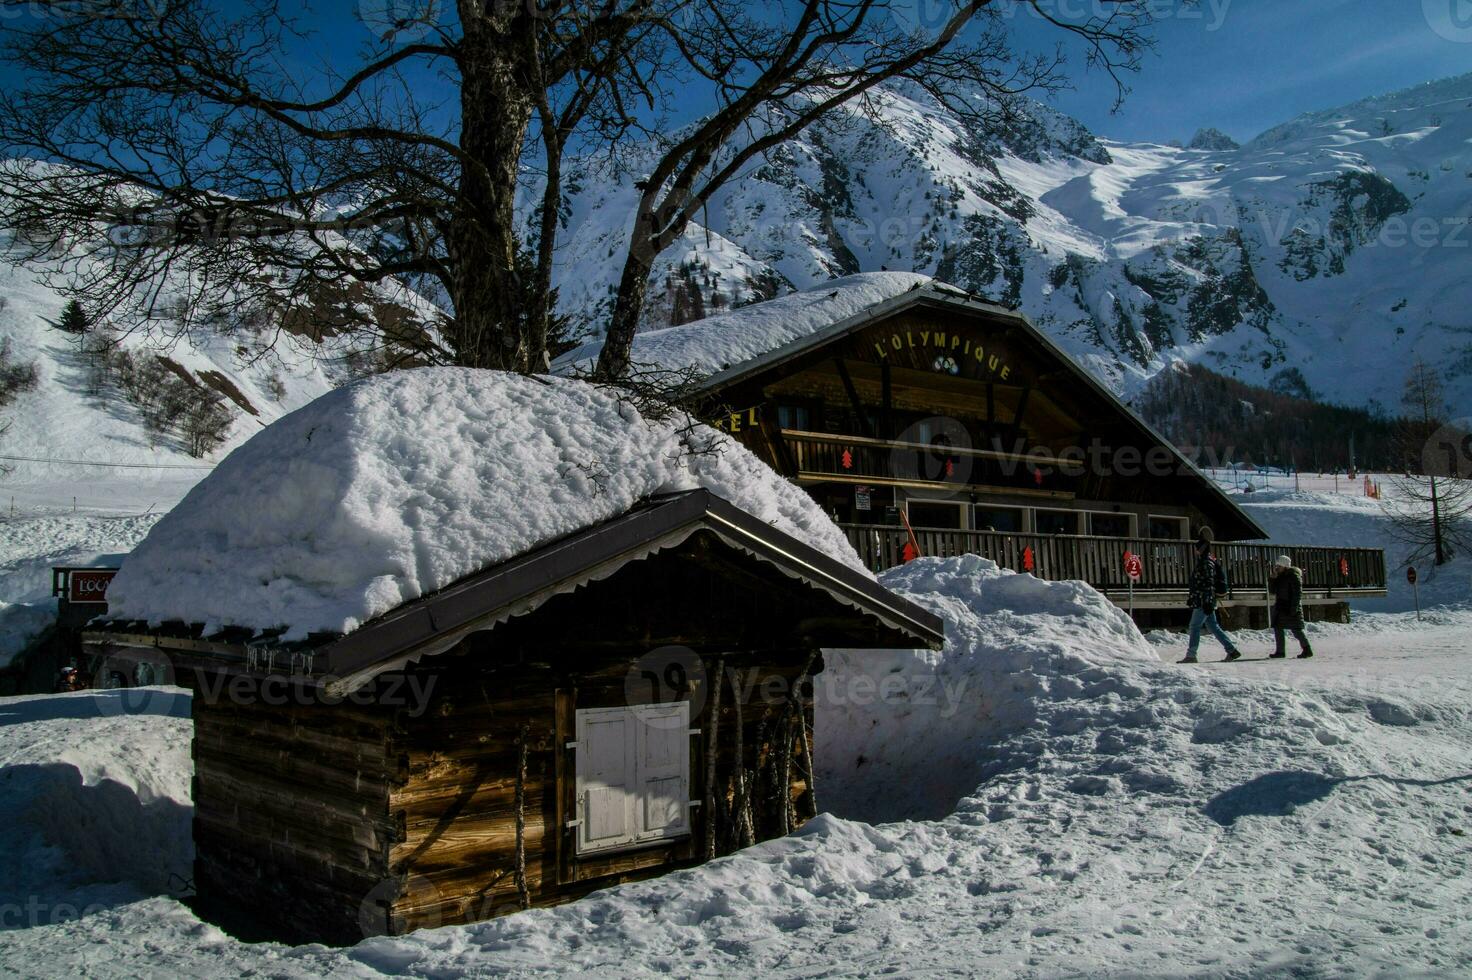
1049	796
1123	816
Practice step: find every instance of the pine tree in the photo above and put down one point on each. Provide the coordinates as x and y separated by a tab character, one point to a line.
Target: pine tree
1431	508
74	318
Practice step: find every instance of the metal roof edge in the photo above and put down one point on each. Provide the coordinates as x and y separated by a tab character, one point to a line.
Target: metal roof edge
431	625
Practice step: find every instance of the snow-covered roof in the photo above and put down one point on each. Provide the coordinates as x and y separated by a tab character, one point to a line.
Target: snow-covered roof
712	345
380	492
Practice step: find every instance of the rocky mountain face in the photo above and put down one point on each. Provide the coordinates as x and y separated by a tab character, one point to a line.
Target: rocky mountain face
1212	139
1321	257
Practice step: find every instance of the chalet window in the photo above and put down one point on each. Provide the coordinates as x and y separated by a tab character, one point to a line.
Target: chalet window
1167	528
633	775
1055	521
795	417
947	516
1109	525
1006	519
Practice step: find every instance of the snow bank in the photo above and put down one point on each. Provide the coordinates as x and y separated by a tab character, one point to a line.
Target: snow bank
717	342
924	720
97	794
31	546
399	485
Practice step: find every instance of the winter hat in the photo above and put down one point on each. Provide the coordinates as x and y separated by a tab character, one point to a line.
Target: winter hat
1283	561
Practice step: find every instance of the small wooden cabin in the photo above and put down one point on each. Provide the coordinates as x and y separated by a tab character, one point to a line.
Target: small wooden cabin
634	698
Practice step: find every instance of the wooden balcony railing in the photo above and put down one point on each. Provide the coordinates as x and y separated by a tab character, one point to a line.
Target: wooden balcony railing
819	455
1327	572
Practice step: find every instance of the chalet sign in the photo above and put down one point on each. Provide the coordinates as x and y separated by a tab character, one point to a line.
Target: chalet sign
951	350
89	585
747	418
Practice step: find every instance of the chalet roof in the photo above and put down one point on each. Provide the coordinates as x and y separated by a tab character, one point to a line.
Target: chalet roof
738	337
787	328
435	623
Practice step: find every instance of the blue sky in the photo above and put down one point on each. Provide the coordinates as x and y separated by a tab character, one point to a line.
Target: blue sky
1239	65
1245	65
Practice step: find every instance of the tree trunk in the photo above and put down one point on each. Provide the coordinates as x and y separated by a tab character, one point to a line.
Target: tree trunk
490	315
615	359
1441	557
539	315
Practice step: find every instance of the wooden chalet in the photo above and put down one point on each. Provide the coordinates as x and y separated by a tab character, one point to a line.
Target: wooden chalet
633	698
933	423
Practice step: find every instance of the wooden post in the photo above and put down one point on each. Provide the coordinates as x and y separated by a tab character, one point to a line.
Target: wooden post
811	764
522	893
743	832
711	741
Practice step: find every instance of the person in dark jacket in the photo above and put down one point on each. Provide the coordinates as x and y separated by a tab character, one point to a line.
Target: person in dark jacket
1286	584
1208	583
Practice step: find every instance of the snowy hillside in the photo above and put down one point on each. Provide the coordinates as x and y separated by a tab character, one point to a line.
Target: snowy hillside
1094	811
72	437
1336	244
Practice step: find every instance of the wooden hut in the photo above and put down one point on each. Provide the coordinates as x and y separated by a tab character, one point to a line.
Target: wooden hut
630	699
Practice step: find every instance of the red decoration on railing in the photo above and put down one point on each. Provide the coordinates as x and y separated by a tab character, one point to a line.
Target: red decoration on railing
909	553
950	467
1344	566
1027	564
847	459
1037	475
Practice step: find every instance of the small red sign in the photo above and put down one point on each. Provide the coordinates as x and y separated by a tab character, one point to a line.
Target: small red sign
1027	559
1344	566
88	585
1411	574
1133	567
847	459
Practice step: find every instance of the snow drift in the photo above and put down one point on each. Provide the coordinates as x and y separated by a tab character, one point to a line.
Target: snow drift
399	485
927	720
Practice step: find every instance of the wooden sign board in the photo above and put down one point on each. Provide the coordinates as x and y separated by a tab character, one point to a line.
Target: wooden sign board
89	585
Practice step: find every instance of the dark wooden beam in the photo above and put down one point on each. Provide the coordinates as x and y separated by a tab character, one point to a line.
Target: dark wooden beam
772	428
887	398
1021	408
853	397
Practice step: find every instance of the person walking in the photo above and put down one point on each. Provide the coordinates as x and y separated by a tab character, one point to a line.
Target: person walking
1208	583
1286	584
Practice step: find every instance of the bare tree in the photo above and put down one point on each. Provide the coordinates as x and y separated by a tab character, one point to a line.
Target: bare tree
178	161
771	85
1431	506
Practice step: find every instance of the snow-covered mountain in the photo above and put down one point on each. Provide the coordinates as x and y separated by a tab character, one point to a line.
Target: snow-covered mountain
1322	255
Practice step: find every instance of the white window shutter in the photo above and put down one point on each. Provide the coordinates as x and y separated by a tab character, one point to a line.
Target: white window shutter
632	775
605	778
662	747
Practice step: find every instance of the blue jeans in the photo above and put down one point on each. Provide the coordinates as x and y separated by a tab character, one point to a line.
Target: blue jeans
1207	618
